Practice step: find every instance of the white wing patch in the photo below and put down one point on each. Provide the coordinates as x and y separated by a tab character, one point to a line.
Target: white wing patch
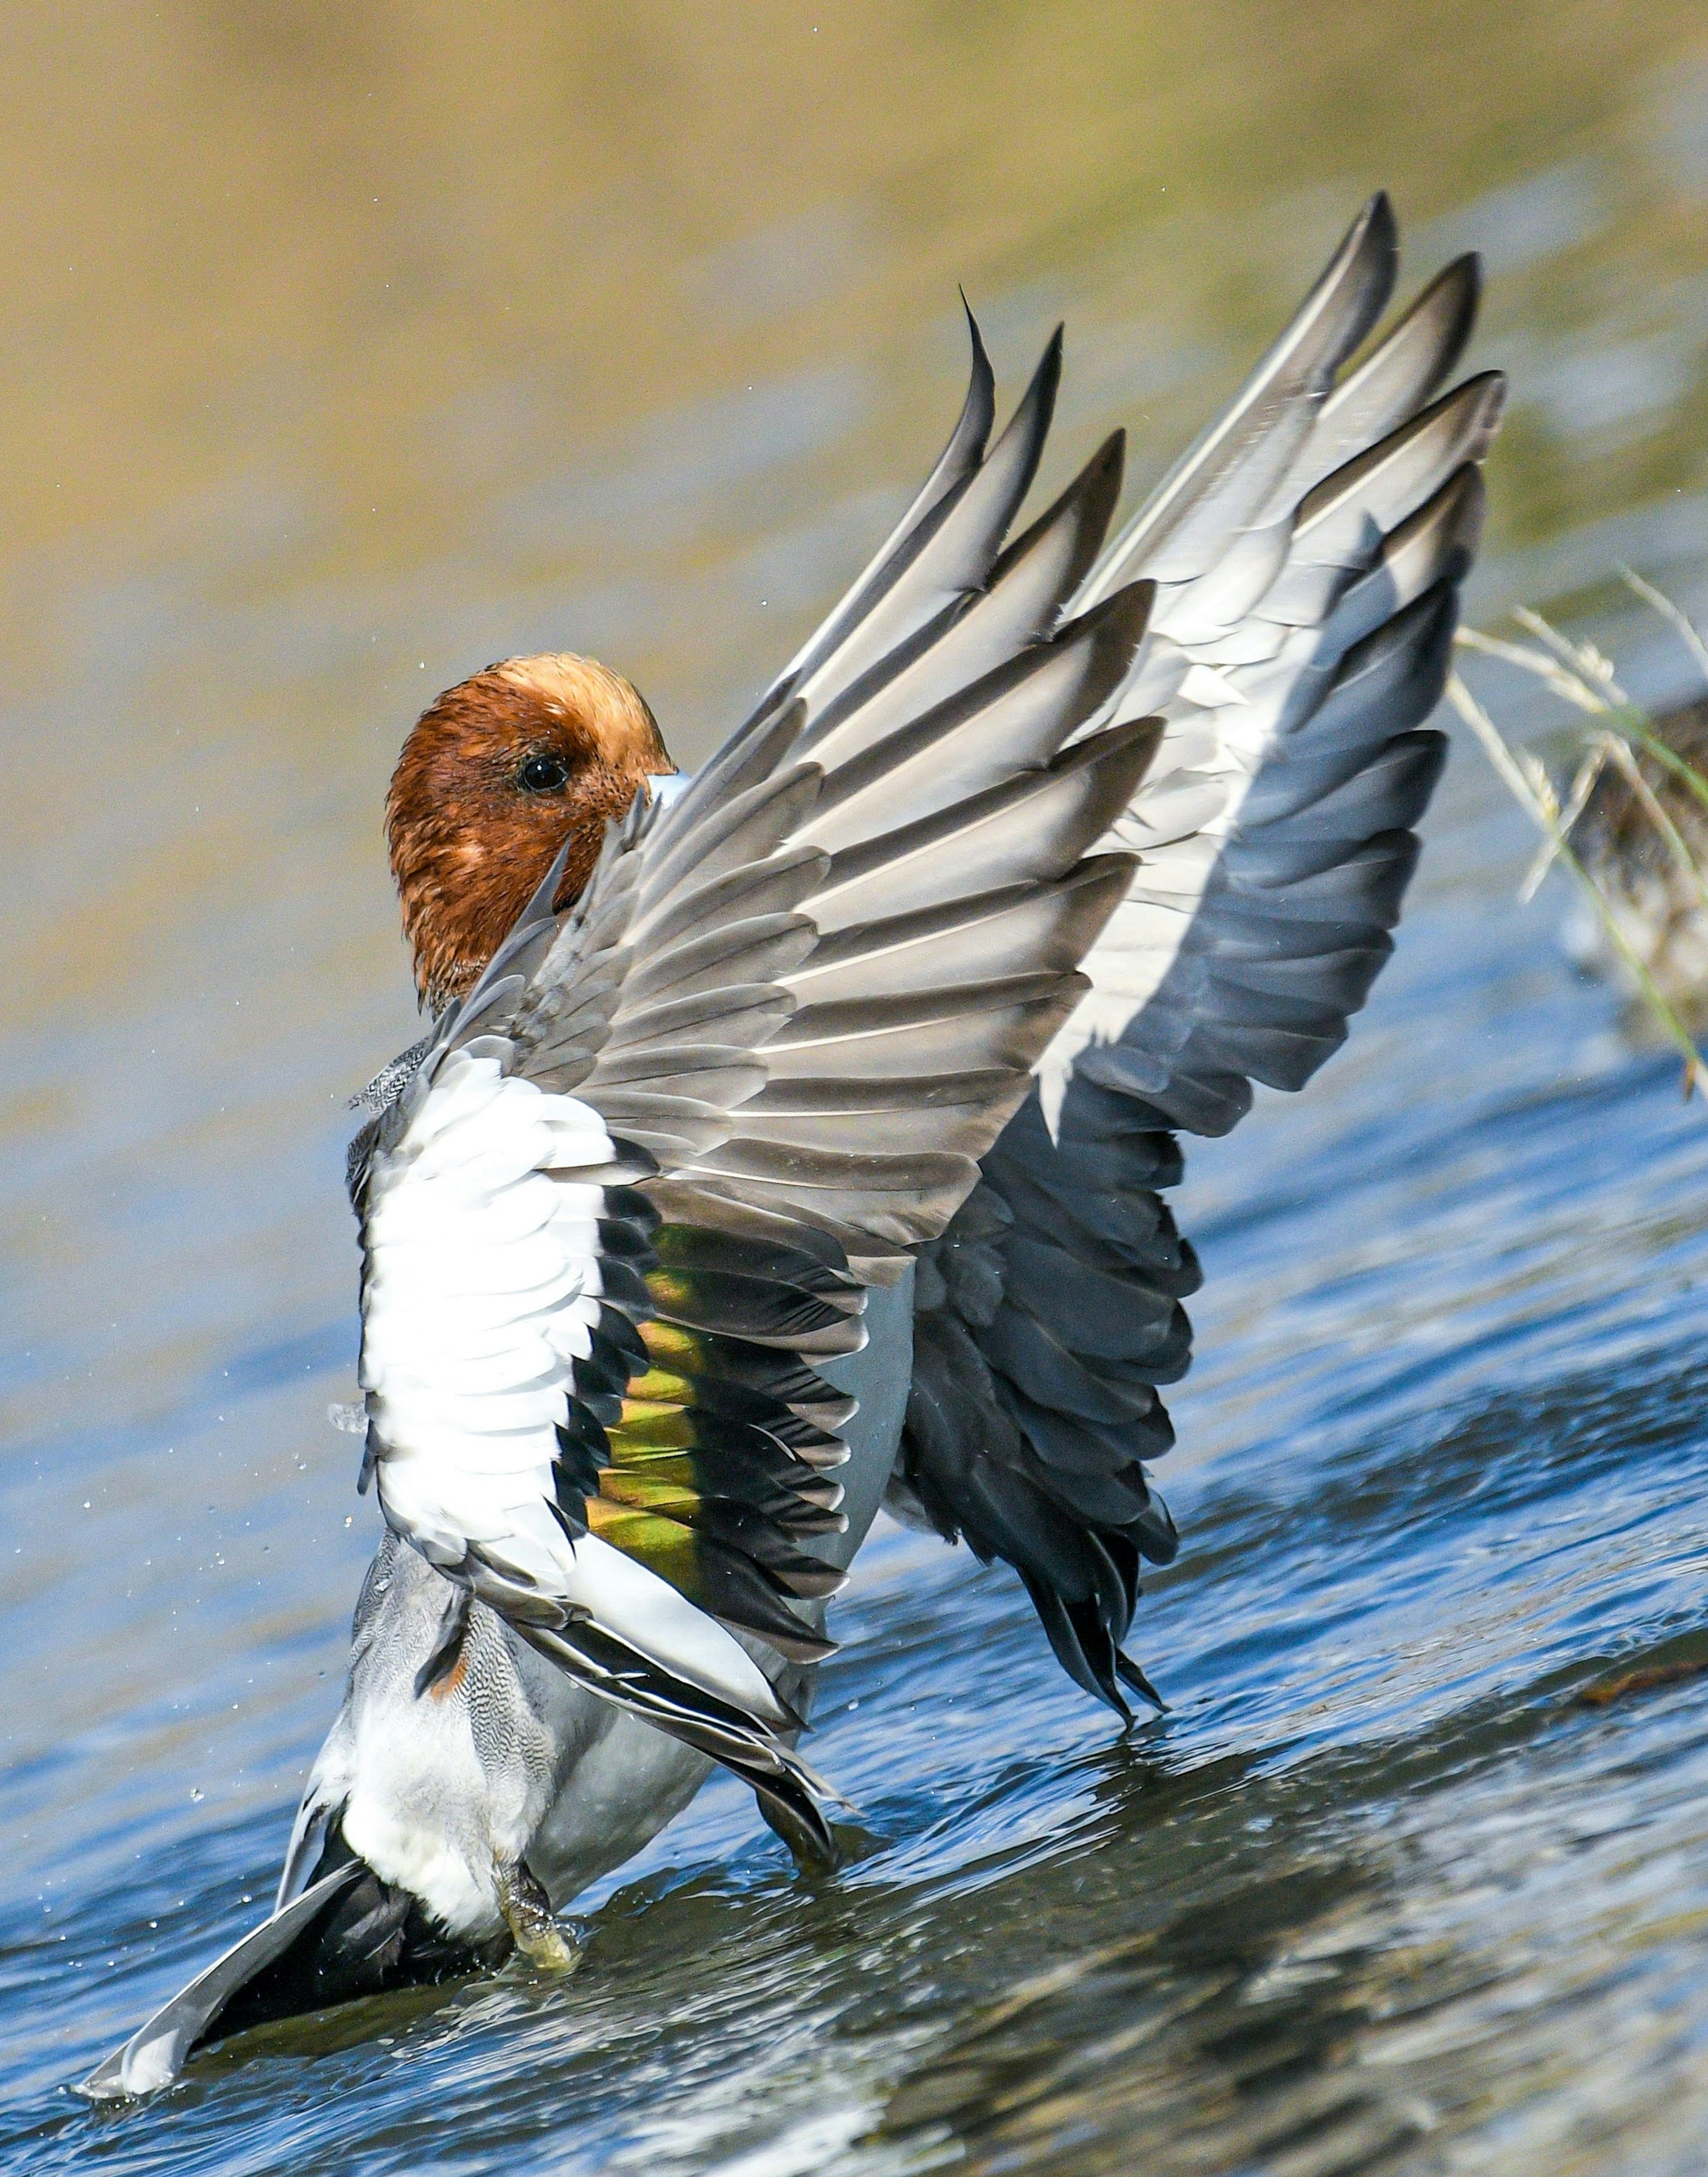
481	1293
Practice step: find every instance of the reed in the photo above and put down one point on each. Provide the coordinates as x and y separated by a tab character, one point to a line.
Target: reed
1615	733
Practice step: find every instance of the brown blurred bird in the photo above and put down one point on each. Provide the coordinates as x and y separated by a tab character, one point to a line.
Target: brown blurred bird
1654	888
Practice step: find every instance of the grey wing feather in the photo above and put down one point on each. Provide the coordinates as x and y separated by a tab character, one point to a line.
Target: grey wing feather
804	997
1306	557
1220	486
955	467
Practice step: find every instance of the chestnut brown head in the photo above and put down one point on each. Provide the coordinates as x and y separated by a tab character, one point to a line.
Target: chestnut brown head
494	777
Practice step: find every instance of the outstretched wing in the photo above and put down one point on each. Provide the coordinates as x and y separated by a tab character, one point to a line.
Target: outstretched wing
635	1190
1307	556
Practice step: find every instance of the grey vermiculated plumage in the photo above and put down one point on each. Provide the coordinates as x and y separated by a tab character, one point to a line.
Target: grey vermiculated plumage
1136	821
1306	557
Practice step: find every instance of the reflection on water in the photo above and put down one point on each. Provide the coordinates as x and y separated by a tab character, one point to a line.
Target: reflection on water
347	348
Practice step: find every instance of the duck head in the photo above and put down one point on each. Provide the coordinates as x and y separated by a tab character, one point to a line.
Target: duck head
496	775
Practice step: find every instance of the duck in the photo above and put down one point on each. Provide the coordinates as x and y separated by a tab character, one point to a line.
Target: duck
790	1138
1651	883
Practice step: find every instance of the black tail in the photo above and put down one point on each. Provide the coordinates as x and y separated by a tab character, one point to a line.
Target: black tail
348	1934
369	1936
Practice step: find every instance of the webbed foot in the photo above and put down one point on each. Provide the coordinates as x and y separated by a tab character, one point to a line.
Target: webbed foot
527	1913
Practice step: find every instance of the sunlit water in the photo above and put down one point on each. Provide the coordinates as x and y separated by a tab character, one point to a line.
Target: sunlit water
1383	1891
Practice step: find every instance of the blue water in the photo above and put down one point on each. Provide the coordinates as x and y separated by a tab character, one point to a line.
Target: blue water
1382	1892
1376	1888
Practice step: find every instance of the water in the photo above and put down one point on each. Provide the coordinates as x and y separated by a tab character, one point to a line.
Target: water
348	349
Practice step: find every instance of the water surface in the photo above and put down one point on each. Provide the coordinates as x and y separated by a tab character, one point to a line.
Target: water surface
347	349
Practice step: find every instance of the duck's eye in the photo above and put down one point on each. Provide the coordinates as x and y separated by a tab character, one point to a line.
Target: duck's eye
543	774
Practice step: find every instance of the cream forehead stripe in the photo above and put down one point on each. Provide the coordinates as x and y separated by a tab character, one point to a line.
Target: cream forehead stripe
482	1293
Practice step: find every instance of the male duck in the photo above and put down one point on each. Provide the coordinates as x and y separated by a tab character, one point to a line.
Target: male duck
789	1141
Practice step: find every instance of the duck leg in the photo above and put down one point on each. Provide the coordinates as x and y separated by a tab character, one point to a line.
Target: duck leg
527	1913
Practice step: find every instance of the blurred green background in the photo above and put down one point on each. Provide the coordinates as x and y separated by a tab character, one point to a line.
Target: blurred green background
350	345
345	348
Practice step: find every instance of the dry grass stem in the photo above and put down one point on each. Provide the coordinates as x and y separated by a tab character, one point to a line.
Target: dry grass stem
1661	602
1589	770
1581	676
1527	778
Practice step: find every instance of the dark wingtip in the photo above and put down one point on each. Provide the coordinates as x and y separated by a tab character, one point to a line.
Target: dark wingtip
1380	228
1125	613
1074	1632
1132	1676
1356	283
1037	404
1460	286
1450	300
1101	1681
790	1811
1032	418
1467	270
1054	349
981	360
981	390
1107	466
1089	501
1044	382
1377	243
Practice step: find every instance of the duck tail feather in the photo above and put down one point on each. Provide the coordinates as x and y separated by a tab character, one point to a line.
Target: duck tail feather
158	2050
